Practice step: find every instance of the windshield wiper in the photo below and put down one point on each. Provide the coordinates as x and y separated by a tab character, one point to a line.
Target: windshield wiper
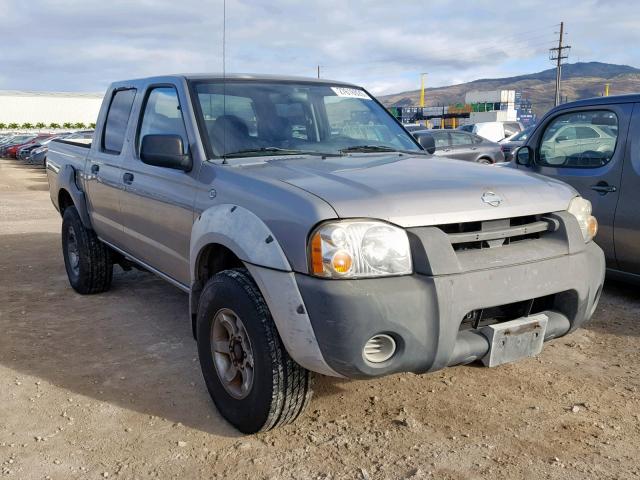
380	148
275	151
368	148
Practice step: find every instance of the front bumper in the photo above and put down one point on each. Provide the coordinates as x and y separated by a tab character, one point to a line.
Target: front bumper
423	312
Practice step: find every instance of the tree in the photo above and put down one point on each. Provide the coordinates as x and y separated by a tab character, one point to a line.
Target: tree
67	125
13	125
79	125
92	126
40	125
54	125
27	125
2	126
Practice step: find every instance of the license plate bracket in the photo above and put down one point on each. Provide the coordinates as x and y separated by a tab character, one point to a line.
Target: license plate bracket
515	339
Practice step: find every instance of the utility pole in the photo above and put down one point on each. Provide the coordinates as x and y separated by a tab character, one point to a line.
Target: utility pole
556	54
318	71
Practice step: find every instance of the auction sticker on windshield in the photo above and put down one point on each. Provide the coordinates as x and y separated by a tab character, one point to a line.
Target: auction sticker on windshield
350	93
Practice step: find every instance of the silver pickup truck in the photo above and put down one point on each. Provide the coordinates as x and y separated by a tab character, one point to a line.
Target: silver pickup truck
314	234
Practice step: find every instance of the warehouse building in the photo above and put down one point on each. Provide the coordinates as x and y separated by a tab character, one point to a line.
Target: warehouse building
18	107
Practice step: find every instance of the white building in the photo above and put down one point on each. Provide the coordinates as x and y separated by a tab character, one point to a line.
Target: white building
48	107
497	106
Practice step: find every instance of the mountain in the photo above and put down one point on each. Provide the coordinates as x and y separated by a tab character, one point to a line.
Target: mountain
579	80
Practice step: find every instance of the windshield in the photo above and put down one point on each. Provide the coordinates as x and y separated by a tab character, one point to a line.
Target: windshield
253	118
523	135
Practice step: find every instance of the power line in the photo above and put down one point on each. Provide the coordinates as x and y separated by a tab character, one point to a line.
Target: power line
557	55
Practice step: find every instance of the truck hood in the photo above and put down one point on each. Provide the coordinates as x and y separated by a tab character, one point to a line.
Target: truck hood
419	190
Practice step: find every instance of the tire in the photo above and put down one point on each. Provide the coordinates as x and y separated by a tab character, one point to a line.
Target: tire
87	260
280	389
485	161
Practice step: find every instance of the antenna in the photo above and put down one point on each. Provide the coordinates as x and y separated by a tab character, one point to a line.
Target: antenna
224	78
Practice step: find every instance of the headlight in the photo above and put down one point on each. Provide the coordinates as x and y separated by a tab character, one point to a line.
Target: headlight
359	249
581	209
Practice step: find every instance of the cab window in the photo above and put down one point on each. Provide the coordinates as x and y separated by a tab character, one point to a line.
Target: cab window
583	139
163	115
115	125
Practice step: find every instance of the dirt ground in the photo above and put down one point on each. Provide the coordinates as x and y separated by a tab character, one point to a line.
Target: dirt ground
109	386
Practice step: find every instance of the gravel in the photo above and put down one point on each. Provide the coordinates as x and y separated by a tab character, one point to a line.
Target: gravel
109	386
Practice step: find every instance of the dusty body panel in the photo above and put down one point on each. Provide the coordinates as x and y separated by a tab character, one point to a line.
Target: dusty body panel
264	209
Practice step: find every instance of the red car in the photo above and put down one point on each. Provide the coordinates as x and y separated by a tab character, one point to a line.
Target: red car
12	151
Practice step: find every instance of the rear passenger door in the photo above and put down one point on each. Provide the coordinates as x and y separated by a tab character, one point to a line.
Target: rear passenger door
104	184
593	166
627	221
157	204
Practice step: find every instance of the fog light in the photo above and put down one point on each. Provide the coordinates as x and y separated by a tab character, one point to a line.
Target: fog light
379	348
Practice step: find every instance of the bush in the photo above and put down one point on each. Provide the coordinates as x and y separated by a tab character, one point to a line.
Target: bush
27	125
92	126
13	126
40	125
2	126
67	125
79	125
54	125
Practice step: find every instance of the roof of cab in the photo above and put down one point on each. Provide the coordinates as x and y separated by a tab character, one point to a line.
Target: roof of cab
228	76
630	98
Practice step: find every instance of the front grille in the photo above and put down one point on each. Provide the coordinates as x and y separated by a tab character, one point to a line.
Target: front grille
497	233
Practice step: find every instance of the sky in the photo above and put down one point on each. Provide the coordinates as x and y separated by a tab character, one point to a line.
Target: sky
72	45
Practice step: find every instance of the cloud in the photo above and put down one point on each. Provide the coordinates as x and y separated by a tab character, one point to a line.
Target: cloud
384	46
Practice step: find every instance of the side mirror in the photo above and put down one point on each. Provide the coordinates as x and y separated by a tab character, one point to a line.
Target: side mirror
561	138
165	151
427	142
524	156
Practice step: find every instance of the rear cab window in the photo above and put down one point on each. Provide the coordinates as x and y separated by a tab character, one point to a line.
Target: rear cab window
115	125
580	139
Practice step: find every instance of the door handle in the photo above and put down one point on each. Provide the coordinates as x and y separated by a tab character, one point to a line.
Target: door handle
95	168
127	178
603	188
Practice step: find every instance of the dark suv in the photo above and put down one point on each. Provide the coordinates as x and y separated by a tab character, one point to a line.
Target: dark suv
594	145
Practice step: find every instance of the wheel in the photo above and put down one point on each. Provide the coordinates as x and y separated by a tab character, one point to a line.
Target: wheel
87	260
485	161
250	376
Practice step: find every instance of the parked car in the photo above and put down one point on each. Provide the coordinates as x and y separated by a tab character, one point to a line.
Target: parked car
13	141
23	153
344	250
12	151
509	144
6	138
493	131
594	145
39	149
463	146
